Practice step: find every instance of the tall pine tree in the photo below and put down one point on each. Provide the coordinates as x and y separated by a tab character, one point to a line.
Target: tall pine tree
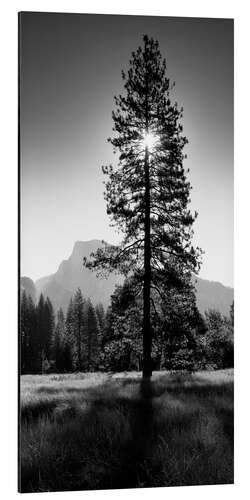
147	193
49	319
58	342
91	333
44	333
40	334
100	313
27	334
78	330
69	323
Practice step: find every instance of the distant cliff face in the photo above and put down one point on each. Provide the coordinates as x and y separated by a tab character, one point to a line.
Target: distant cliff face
213	295
27	285
71	274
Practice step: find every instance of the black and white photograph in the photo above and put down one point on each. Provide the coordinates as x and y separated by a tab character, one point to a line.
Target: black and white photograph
126	229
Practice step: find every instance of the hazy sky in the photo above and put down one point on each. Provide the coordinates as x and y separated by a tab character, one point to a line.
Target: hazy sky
70	71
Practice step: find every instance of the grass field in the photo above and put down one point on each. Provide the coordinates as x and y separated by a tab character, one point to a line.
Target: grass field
99	431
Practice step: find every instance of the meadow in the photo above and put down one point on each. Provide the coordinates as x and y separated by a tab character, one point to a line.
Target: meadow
99	431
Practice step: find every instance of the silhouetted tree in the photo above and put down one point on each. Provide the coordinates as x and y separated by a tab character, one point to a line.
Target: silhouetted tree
147	194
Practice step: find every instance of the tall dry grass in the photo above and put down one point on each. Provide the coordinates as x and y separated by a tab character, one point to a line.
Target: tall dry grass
99	431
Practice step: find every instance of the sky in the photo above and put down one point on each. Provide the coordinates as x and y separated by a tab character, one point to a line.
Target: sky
70	71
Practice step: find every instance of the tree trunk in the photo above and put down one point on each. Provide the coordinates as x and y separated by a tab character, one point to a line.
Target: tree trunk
147	340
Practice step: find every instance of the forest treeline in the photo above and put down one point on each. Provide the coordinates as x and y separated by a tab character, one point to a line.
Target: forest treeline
87	338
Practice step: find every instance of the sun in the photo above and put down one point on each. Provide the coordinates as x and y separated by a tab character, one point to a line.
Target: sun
149	140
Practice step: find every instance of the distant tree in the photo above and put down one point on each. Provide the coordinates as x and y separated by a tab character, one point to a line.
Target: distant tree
177	327
78	330
67	351
100	313
219	340
69	323
107	333
182	326
24	332
40	334
31	358
147	194
61	348
44	333
122	348
92	333
57	348
49	318
27	334
231	313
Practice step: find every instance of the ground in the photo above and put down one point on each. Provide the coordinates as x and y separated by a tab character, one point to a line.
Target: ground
98	431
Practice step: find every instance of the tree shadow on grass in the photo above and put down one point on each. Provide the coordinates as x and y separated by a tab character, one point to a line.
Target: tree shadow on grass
133	472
